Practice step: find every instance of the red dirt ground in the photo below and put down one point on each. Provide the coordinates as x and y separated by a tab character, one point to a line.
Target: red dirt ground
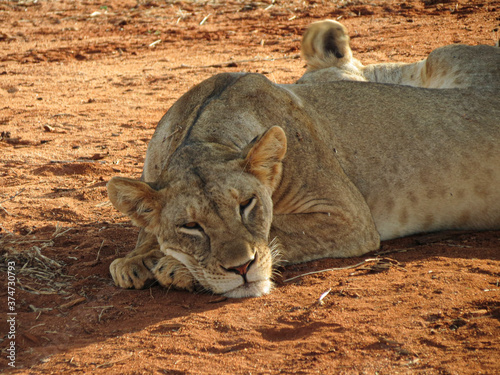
82	86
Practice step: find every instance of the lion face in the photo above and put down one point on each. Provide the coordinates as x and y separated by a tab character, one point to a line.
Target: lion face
215	218
219	228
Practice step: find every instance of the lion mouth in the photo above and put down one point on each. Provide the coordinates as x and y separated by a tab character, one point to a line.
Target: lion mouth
250	289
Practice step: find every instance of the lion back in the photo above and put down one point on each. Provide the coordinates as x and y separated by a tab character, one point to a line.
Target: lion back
175	124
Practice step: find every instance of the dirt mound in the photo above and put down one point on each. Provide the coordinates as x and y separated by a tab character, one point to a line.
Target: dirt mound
72	169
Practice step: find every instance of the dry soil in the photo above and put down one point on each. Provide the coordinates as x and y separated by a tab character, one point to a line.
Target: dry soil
82	86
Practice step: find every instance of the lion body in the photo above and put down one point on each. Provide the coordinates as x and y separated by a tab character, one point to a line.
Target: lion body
326	49
327	169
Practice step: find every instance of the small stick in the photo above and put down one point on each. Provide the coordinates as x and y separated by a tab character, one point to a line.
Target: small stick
35	291
6	230
102	312
73	303
99	307
205	19
77	161
103	204
99	251
55	235
113	362
41	309
228	63
320	299
7	212
38	325
155	43
332	269
15	195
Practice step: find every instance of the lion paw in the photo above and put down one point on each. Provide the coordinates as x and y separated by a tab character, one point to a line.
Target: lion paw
171	273
135	272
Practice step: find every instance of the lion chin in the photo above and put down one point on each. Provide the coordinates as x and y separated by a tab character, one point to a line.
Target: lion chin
251	289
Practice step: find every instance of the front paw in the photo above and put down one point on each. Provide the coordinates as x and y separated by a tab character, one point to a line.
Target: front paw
135	272
171	273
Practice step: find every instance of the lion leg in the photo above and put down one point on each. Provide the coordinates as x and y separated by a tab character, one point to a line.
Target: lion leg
171	273
134	270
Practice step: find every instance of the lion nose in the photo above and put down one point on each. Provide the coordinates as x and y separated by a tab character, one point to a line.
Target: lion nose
241	270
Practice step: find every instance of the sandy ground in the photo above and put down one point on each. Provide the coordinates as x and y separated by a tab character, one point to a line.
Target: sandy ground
82	86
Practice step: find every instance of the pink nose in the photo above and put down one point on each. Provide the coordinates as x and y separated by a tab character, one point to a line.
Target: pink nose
241	270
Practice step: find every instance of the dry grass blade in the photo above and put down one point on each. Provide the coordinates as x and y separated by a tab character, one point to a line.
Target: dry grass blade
60	231
383	264
45	261
333	269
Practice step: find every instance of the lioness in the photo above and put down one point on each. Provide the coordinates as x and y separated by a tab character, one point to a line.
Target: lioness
327	169
325	47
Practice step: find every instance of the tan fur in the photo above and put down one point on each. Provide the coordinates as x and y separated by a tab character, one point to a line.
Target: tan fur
326	169
453	66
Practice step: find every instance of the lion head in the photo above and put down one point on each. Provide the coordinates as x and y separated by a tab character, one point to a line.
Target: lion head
213	213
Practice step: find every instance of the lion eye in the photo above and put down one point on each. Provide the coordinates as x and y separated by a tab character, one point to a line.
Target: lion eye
246	203
192	225
247	206
191	228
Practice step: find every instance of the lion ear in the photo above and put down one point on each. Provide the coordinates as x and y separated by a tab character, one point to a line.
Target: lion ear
136	199
265	156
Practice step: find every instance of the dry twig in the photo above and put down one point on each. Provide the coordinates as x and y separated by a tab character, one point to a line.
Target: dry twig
332	269
12	197
235	62
72	303
111	363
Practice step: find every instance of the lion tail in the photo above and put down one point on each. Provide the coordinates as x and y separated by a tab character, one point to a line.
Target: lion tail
325	44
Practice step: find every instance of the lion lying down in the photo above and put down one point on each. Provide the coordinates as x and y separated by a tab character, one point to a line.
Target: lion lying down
325	47
328	170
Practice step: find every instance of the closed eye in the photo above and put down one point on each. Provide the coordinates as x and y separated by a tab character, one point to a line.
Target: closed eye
247	206
192	229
